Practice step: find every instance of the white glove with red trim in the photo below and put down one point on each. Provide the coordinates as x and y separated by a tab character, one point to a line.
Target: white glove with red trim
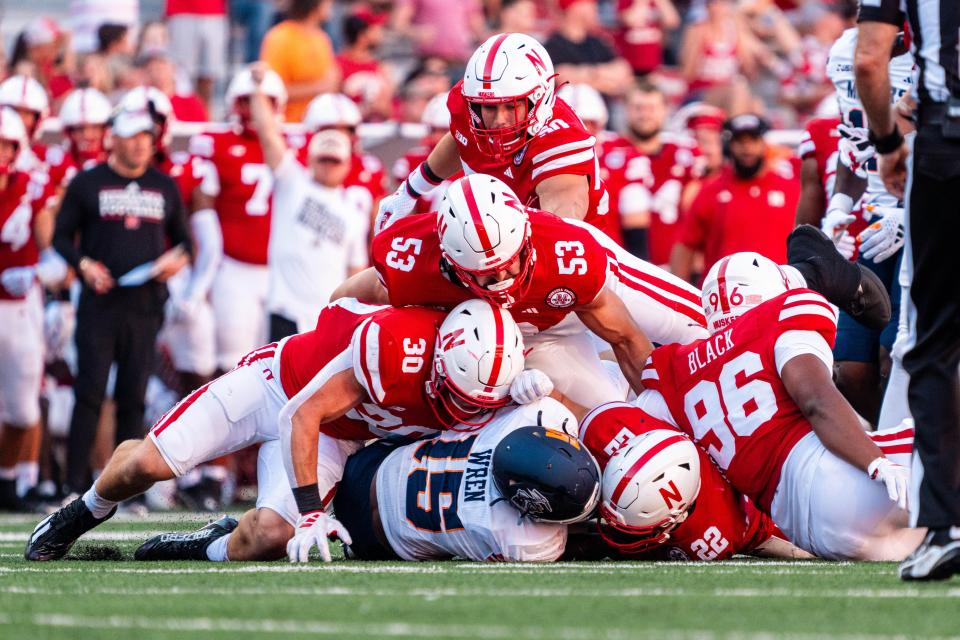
896	477
835	224
315	528
531	385
396	206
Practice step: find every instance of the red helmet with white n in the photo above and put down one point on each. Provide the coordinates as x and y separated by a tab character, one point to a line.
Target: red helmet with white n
329	110
483	231
515	70
479	352
736	284
12	130
84	106
242	85
648	487
25	93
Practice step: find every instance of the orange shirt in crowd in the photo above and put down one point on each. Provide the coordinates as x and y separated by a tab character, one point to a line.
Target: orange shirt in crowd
297	54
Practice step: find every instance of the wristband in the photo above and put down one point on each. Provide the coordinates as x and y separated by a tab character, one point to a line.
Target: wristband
422	180
888	143
308	498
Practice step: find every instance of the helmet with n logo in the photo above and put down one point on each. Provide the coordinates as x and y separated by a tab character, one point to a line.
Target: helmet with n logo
514	70
479	352
484	230
736	284
648	487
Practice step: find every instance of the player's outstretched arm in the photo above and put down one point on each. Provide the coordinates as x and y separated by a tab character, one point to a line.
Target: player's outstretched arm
567	195
444	160
364	286
608	317
265	121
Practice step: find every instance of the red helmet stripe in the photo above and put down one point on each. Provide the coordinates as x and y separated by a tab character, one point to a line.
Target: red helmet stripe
722	285
485	243
644	459
498	352
491	57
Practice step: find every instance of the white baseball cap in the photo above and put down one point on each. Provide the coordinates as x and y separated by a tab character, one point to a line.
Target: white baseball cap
330	143
129	123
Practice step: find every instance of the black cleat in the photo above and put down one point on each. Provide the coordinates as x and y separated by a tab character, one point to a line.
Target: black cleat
937	557
856	290
185	546
53	537
203	496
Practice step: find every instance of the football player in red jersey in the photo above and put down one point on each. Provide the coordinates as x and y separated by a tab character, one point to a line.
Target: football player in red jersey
653	178
506	121
366	183
363	372
83	115
29	99
759	397
25	257
556	275
436	117
818	169
235	193
664	497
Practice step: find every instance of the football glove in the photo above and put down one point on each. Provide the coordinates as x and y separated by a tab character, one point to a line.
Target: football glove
18	280
896	478
397	205
834	225
854	149
530	386
884	237
314	528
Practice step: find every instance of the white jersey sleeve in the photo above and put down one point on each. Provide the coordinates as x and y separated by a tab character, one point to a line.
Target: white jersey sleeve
438	499
795	343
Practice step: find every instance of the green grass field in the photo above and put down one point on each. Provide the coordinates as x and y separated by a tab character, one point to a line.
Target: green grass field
566	601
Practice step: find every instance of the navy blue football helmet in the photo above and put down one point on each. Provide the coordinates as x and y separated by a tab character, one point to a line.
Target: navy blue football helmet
547	475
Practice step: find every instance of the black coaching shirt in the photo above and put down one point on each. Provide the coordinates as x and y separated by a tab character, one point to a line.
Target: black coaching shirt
121	222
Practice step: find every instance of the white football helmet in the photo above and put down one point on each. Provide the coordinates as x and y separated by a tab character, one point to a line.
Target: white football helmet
242	84
84	106
648	487
331	110
12	130
152	101
479	352
738	283
436	115
515	70
483	229
23	92
586	102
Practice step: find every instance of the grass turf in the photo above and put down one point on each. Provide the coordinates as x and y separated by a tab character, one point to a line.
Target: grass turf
740	599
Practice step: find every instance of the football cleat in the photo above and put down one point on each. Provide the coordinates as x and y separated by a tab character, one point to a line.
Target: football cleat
857	291
185	546
53	537
937	557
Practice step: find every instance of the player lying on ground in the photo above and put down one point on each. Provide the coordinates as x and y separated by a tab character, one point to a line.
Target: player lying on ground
505	492
759	397
363	372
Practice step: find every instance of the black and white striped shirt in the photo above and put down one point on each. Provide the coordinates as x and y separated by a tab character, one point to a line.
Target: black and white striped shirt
935	28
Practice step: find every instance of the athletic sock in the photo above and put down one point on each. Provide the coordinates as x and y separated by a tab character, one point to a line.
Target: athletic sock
217	551
98	506
28	474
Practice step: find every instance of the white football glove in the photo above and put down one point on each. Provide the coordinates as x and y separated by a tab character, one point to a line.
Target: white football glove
854	149
530	386
314	529
884	237
18	280
397	205
896	478
834	224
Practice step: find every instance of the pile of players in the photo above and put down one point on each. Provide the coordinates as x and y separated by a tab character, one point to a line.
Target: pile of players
489	389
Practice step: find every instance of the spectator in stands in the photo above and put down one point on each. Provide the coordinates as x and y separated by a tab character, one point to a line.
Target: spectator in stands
153	36
159	71
430	78
581	57
86	16
806	83
642	26
518	16
364	77
255	17
198	41
302	54
440	28
748	206
115	48
42	50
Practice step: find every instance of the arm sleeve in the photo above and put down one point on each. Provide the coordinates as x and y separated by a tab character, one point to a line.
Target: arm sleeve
653	403
289	171
177	230
888	11
795	343
68	223
207	253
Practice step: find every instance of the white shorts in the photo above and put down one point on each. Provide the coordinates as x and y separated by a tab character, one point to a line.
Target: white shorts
574	366
238	409
198	44
21	355
835	511
239	298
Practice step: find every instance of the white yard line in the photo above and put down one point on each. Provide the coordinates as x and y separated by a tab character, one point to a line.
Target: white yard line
402	630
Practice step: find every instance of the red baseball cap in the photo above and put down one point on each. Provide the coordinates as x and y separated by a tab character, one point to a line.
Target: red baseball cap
566	4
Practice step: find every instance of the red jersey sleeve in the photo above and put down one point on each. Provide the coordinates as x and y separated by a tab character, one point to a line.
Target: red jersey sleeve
562	147
608	427
569	260
806	310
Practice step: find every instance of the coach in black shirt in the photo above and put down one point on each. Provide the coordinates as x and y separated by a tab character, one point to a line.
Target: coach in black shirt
115	218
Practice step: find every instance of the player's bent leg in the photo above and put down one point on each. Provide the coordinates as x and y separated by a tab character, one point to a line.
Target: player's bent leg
575	368
261	535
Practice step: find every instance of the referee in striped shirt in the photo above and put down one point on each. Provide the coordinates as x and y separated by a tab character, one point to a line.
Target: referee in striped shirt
933	211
